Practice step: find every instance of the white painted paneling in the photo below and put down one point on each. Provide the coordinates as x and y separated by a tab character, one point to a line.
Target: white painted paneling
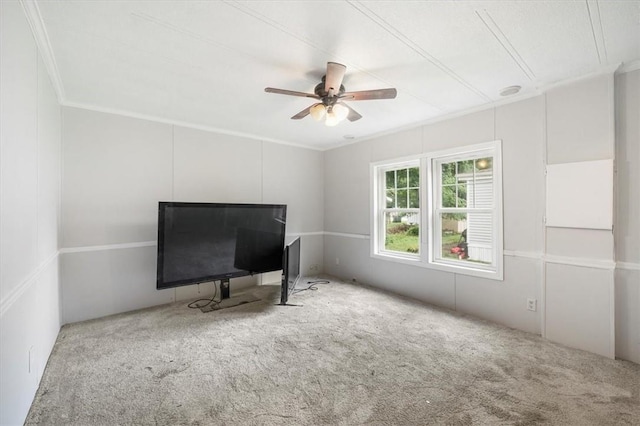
504	302
49	136
31	323
311	254
106	282
428	285
627	230
459	131
554	38
396	145
346	180
354	261
580	243
621	32
295	177
520	127
348	258
211	167
116	169
580	121
18	147
29	201
580	195
628	314
578	308
448	28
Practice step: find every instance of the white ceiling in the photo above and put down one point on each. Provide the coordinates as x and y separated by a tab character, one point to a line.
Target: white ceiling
206	63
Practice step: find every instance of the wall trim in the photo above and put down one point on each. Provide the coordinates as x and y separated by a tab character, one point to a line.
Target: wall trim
108	247
523	254
581	262
346	235
84	249
305	234
629	66
562	260
179	123
20	289
628	266
39	30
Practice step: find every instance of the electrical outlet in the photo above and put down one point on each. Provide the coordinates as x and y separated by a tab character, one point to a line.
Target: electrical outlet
532	304
337	260
314	269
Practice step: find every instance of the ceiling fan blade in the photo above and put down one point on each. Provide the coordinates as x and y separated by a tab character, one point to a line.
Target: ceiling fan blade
303	113
353	114
366	95
291	93
333	79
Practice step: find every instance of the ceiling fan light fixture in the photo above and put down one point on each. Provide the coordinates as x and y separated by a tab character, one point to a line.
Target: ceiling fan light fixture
318	112
340	111
332	119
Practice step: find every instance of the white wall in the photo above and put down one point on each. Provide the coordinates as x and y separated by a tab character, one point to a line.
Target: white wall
579	279
29	212
347	215
569	271
117	168
627	231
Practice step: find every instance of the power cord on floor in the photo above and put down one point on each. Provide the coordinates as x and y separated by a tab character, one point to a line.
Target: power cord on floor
311	287
194	304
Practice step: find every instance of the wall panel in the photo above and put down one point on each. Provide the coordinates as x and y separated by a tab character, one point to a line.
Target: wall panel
211	167
29	205
116	169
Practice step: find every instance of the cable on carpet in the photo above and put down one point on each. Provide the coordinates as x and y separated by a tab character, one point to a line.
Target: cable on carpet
194	305
312	287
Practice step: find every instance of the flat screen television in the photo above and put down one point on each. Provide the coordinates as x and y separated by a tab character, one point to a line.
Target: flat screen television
199	242
290	269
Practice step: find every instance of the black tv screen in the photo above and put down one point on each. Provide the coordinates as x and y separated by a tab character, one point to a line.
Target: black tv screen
200	242
291	269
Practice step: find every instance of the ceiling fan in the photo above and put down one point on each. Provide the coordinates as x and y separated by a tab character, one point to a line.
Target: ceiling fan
331	94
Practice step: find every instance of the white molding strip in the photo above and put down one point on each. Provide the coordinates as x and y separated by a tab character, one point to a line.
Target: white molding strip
108	247
629	66
563	260
305	234
628	266
523	254
185	124
581	262
341	234
20	289
39	30
105	247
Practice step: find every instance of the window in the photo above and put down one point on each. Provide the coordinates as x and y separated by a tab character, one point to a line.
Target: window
399	209
456	195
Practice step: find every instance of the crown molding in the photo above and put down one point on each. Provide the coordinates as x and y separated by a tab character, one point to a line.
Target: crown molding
156	119
629	66
610	69
32	12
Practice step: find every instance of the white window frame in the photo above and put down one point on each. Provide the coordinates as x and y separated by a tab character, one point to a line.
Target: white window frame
380	208
429	214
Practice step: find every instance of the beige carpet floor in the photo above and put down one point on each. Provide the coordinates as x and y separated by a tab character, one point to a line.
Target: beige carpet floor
350	355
